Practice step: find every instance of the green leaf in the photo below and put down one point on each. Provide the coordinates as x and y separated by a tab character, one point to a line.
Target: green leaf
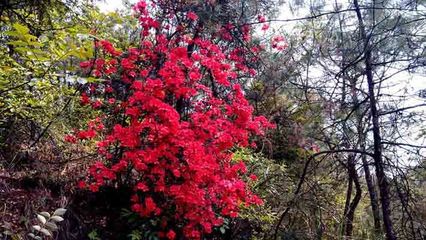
35	43
94	80
46	232
17	43
21	28
135	235
60	212
41	218
45	214
57	219
11	33
37	227
93	235
24	50
52	226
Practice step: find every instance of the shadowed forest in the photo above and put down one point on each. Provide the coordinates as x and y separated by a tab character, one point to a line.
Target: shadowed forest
214	119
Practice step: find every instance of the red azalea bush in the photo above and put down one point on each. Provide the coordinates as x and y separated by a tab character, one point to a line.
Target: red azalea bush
173	113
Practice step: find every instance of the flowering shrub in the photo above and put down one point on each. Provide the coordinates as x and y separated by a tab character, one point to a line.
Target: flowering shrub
173	113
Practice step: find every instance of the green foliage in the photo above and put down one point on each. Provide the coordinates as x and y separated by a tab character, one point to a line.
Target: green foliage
47	224
35	71
140	229
39	69
135	235
93	235
271	180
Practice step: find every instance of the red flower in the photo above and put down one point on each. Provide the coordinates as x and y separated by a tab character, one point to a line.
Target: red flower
97	104
109	89
111	100
109	48
175	132
127	64
171	235
150	206
253	177
88	134
142	187
192	16
81	184
84	99
70	139
94	188
85	64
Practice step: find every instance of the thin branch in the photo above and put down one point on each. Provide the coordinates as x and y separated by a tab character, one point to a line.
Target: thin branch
402	109
403	144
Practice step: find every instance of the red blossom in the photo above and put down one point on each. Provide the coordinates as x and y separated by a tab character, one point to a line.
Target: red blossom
265	27
70	139
171	235
175	132
85	64
279	43
97	104
192	16
261	18
111	100
82	184
84	99
253	177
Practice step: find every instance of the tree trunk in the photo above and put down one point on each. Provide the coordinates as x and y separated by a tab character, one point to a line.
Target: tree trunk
348	200
349	219
368	178
372	193
378	159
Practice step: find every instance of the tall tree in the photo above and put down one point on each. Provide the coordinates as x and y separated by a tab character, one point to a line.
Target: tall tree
352	49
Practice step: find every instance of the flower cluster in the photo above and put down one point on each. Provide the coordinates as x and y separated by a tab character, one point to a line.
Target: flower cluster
279	43
174	114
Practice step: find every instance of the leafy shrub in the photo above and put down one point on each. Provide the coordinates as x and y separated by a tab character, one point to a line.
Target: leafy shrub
47	224
173	112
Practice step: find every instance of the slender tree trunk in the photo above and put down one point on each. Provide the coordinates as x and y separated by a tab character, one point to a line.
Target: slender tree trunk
348	201
371	191
368	178
350	207
354	204
378	158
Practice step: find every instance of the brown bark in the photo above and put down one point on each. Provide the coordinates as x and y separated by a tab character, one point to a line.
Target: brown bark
368	178
372	194
350	214
377	156
347	202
